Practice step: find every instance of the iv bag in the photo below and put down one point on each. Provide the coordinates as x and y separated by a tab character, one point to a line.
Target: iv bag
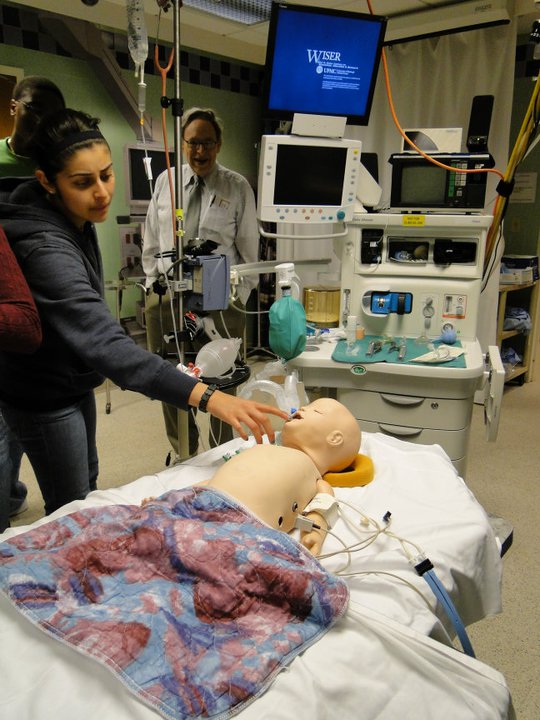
137	35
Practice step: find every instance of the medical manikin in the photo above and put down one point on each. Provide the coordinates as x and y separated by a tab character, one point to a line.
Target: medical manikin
279	483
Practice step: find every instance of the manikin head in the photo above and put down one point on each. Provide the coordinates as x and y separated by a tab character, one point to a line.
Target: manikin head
326	431
274	482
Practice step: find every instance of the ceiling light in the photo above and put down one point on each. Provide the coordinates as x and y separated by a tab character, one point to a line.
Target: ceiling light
247	12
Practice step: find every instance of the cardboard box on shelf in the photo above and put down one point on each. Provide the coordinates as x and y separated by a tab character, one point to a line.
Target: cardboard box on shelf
517	276
518	262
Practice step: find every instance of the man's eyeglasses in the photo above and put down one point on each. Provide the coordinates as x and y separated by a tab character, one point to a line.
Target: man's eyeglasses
204	144
32	107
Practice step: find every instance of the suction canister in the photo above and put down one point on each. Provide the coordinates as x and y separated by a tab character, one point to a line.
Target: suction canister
321	304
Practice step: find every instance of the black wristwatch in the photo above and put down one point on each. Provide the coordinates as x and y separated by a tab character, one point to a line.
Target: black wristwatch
207	394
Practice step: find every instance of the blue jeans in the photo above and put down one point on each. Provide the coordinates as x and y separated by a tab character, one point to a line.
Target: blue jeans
10	486
9	468
61	447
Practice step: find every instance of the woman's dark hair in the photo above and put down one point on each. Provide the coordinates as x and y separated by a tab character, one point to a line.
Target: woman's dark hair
37	84
61	134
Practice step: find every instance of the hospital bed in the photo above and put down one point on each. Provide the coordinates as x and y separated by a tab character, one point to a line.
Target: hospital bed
391	653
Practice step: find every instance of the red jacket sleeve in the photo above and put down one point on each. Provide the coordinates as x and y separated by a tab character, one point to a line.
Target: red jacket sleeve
20	327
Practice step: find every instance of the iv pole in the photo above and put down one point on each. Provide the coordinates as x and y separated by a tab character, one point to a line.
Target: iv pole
177	110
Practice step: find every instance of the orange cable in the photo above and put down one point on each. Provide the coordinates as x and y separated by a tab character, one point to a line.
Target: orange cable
163	71
500	201
402	132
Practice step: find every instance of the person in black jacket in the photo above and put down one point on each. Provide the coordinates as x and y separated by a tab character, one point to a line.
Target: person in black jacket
47	398
33	97
20	331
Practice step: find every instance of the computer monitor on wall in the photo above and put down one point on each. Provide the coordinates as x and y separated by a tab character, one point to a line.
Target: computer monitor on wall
307	180
137	185
321	62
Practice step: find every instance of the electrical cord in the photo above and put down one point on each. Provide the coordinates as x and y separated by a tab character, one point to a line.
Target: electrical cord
393	576
492	265
425	569
304	524
422	565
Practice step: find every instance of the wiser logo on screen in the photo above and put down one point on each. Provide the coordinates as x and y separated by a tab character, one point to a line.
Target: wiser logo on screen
321	55
335	74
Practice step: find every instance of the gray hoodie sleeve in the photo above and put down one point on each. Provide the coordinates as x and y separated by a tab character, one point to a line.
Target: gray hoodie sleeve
66	286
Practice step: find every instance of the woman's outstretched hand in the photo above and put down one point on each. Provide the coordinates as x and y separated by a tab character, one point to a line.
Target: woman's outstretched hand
241	413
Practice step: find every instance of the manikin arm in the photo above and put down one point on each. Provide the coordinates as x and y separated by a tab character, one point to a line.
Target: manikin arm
313	539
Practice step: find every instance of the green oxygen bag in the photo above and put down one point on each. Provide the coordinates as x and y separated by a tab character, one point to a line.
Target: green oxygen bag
287	334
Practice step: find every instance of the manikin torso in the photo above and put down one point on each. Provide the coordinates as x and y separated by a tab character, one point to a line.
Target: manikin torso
275	483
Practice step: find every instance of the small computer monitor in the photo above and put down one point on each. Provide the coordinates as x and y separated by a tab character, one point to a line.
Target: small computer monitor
321	61
137	184
307	179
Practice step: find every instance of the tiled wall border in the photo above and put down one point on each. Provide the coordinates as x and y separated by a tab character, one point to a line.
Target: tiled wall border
21	27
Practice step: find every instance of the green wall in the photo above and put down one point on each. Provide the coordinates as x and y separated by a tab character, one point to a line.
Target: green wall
83	90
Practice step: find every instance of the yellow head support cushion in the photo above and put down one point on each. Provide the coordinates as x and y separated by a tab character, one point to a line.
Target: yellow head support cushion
360	473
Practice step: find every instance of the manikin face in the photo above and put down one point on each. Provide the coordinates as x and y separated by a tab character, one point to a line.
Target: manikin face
201	146
324	427
83	190
313	423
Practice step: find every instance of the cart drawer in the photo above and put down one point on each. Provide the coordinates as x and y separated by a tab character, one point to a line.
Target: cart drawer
453	442
408	410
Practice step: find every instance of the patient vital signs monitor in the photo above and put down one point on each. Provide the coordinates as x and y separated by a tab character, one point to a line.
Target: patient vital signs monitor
307	179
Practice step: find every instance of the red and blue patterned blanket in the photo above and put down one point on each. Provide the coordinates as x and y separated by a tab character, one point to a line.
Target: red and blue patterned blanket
190	600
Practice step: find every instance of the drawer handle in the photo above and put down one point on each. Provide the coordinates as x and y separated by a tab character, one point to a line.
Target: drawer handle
400	431
402	399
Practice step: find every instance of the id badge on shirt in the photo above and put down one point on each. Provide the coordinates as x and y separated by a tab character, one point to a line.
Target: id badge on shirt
221	203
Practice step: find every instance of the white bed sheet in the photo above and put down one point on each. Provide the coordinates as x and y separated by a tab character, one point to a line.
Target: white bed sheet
390	656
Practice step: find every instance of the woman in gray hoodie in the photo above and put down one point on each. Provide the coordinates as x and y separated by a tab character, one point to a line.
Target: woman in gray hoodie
47	398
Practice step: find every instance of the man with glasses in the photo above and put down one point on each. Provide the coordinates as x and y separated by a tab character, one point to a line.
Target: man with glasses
219	205
33	98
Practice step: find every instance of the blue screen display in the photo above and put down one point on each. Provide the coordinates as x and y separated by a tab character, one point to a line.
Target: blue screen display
322	62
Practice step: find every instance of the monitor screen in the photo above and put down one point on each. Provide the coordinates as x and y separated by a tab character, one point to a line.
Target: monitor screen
322	62
305	179
138	186
419	184
423	184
